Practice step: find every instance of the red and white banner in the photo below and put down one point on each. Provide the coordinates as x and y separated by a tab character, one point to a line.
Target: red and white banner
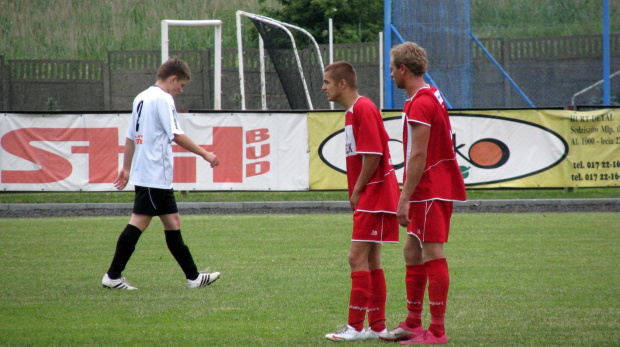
73	152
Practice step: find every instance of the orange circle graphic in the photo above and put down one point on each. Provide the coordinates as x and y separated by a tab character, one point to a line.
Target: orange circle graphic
489	153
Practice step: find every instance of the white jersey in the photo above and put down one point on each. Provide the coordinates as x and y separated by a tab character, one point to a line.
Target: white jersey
152	128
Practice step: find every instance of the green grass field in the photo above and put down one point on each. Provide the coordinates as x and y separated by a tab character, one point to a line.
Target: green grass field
540	279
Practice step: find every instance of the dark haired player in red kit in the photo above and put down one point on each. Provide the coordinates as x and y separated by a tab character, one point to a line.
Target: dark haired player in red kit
373	194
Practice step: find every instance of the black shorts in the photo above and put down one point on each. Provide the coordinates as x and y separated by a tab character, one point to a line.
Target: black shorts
154	202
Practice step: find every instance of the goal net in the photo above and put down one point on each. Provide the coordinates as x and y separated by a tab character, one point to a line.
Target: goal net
443	28
288	63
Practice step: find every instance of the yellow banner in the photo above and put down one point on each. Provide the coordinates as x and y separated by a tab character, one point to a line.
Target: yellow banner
538	148
327	154
495	148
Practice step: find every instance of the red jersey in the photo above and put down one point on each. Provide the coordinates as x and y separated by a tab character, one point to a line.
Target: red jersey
365	134
442	178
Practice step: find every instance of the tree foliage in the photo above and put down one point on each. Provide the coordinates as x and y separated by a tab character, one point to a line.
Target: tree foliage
353	20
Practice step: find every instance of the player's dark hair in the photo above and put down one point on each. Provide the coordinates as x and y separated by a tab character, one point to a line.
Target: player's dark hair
174	67
411	55
342	70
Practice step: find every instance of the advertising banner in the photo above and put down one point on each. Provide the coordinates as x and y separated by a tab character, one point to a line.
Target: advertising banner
520	148
84	152
538	148
495	148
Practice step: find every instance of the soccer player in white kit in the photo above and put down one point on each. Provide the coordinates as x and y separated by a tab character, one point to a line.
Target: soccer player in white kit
148	165
373	194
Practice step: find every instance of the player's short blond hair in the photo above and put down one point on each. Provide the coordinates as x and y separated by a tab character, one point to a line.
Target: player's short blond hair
342	70
411	55
174	67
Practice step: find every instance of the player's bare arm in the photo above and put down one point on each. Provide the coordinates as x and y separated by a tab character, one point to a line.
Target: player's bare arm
415	169
369	166
123	175
187	143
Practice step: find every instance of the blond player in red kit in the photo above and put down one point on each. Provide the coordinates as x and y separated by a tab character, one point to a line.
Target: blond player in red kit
373	194
431	183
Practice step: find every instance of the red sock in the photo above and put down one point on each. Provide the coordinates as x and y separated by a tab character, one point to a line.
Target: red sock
438	284
358	303
376	304
415	280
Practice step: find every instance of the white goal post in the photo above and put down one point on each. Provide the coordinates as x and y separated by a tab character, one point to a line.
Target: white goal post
217	66
284	27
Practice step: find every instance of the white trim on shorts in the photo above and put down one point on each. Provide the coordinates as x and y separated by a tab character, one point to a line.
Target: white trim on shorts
427	207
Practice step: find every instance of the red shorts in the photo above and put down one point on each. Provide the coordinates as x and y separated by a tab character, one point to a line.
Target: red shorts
430	220
375	227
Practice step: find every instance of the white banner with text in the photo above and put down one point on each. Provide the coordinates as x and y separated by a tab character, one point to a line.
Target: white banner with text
84	152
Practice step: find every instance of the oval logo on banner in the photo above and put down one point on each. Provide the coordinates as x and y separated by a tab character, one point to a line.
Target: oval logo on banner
489	149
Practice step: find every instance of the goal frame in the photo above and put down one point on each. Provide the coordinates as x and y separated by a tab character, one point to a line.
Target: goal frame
285	27
217	65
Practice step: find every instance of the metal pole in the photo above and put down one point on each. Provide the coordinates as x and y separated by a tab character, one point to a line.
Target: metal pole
164	41
331	40
387	46
606	55
263	79
381	67
331	49
217	67
240	59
